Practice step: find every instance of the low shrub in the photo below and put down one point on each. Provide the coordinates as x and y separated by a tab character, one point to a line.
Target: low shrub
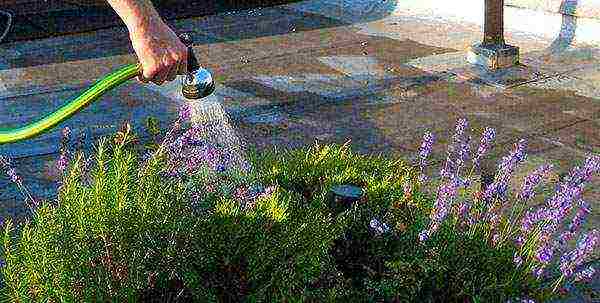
177	226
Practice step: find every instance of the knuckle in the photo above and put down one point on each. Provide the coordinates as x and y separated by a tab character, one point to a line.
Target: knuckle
177	57
153	68
168	62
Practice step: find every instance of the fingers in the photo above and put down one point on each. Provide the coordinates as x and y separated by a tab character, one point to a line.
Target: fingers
183	63
172	63
149	71
173	71
155	72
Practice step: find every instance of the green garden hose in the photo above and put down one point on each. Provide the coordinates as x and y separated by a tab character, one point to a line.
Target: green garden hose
72	107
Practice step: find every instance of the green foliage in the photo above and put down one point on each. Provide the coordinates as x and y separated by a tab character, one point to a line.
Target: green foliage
125	228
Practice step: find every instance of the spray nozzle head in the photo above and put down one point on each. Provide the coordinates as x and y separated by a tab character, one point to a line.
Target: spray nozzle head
198	82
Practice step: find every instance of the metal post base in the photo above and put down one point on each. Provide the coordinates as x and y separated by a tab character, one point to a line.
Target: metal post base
493	56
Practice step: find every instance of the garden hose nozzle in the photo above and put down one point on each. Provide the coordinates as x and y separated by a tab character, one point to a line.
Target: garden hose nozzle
198	84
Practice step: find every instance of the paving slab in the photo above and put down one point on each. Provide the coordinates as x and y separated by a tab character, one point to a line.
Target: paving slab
578	8
328	83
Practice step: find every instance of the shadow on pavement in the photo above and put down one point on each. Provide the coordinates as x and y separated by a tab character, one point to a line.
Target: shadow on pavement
30	25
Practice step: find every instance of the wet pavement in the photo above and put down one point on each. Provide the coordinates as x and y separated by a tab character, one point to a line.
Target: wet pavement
288	77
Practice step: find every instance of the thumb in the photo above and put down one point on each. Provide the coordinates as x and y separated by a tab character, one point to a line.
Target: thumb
141	78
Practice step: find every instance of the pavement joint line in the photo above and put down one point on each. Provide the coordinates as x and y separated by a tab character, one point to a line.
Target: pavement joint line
558	143
304	51
39	90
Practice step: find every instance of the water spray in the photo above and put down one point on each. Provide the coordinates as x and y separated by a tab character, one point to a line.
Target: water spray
197	83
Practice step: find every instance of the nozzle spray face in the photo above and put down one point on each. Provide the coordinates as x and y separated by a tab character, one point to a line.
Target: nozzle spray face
198	84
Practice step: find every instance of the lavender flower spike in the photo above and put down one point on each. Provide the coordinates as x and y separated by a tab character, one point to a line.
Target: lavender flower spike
506	169
532	181
463	154
447	171
443	202
569	262
576	222
428	139
580	216
424	235
586	274
488	135
584	174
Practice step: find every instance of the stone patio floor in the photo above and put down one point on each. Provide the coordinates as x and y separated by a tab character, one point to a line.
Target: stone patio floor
288	77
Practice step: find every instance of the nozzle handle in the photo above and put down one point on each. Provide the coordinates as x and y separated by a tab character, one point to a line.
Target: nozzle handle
192	64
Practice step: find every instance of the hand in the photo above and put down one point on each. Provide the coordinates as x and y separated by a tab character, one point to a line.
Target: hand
161	53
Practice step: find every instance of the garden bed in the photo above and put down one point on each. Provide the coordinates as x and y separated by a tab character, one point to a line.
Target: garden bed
167	228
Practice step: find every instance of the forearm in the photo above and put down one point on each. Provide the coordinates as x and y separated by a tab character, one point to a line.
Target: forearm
138	15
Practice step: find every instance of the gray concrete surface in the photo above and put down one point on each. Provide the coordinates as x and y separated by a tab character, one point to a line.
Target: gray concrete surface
317	70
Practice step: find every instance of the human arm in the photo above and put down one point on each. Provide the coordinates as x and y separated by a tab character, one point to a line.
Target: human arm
161	53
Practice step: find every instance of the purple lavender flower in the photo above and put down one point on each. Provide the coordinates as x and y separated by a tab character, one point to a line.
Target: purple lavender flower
531	218
428	139
463	209
586	274
463	154
538	272
191	137
210	155
461	125
220	168
532	181
443	201
519	241
506	168
544	255
448	170
570	261
12	174
580	216
62	163
565	237
424	235
562	201
488	135
378	227
185	112
517	260
584	174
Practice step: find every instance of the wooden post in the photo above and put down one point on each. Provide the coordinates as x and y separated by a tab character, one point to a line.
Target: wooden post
494	22
493	53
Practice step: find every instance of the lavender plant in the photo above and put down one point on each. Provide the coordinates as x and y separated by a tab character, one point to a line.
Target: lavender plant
142	223
537	239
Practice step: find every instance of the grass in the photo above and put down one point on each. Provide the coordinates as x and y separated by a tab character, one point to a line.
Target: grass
126	227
